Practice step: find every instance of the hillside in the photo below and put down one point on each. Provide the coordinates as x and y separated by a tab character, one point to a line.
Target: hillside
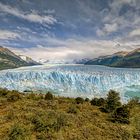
39	117
29	60
120	59
8	59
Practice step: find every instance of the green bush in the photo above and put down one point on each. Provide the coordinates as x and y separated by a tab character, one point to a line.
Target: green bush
10	115
13	96
136	135
112	101
39	124
72	109
34	96
133	102
87	100
49	96
31	96
79	100
121	115
3	92
94	101
101	102
47	124
41	136
98	102
45	136
60	122
17	132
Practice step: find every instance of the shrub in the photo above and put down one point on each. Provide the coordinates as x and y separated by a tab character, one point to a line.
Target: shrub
49	96
121	115
136	135
34	96
48	123
94	101
101	102
41	136
31	96
79	100
60	122
17	132
72	109
10	115
87	100
98	102
112	101
3	92
133	102
39	124
13	96
45	136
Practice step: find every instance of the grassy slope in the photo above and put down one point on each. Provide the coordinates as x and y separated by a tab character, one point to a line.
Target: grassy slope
128	61
10	62
88	123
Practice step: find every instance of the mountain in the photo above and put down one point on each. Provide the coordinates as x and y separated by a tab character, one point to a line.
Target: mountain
107	60
29	60
80	61
119	59
71	61
8	59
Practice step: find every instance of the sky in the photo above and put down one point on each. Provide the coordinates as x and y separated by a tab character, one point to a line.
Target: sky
69	29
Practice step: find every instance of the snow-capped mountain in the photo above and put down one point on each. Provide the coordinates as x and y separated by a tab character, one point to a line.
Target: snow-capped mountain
53	61
81	61
29	60
9	60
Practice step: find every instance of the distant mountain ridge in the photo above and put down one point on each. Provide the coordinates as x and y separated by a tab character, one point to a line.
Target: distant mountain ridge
29	60
119	59
81	61
9	60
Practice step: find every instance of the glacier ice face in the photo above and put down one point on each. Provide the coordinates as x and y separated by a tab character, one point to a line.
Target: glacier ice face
71	80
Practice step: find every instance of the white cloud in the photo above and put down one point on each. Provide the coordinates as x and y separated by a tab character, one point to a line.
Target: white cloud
107	29
134	33
118	3
114	20
73	49
32	16
5	34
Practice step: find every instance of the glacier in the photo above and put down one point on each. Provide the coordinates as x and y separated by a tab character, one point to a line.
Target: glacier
72	80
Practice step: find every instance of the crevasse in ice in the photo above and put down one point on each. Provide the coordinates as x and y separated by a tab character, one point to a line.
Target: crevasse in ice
71	80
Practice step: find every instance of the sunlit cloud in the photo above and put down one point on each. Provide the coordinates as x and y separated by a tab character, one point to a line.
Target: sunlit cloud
5	34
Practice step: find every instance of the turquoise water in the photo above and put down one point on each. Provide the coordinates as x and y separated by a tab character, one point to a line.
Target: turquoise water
133	91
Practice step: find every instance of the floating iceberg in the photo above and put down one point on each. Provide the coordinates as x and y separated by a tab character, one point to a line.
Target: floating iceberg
71	80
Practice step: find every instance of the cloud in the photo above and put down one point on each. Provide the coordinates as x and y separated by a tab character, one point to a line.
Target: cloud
134	33
33	16
73	49
120	18
107	29
6	34
119	3
75	37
